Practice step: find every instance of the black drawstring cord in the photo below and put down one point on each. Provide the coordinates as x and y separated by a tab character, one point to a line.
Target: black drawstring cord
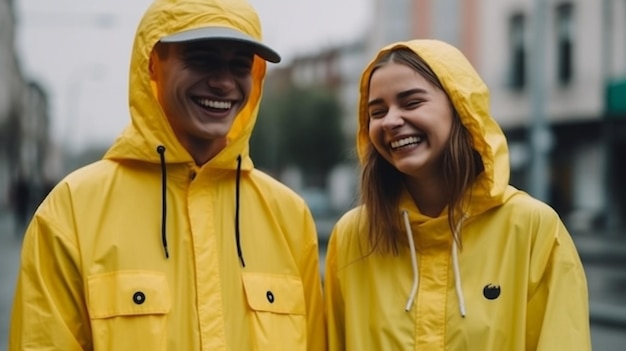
239	253
161	150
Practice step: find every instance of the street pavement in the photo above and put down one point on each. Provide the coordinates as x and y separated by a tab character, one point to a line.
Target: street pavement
604	259
9	259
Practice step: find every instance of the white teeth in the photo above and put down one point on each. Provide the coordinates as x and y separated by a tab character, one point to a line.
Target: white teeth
404	142
222	105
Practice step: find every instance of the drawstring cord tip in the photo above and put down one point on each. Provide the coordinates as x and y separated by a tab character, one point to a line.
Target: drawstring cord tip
409	233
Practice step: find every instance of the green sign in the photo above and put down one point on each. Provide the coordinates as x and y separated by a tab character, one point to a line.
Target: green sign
616	98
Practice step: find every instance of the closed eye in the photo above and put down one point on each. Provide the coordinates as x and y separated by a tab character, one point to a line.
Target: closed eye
241	66
414	103
377	113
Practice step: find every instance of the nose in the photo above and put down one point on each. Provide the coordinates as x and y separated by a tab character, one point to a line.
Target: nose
393	119
221	79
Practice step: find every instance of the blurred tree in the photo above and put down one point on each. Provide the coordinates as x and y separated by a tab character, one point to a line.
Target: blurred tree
264	142
301	128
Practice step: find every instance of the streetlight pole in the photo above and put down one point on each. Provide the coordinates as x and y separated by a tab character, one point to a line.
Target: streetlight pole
609	206
540	135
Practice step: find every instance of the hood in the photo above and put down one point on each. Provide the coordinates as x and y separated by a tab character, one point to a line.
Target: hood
149	127
470	97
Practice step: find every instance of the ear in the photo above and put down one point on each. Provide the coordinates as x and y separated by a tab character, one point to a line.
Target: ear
152	62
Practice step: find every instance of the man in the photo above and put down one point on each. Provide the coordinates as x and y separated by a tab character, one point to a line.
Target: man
174	241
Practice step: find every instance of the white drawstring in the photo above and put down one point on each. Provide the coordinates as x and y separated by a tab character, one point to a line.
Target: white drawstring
457	272
409	234
455	264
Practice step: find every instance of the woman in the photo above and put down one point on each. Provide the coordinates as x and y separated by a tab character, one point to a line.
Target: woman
443	254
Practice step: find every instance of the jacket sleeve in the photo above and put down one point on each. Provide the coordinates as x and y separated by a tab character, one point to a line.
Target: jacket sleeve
558	306
335	319
49	310
316	330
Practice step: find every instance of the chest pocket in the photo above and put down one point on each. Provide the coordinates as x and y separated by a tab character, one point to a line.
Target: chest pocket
128	310
278	311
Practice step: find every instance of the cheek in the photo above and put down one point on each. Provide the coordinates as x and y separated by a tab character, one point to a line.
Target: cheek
246	87
444	124
448	129
166	86
376	136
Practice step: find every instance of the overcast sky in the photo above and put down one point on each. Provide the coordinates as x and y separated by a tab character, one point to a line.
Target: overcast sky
80	50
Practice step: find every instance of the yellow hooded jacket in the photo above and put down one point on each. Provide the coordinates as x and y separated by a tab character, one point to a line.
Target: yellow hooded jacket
139	251
520	281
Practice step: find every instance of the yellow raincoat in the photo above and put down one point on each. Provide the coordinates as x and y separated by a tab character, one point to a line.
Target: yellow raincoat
135	252
520	281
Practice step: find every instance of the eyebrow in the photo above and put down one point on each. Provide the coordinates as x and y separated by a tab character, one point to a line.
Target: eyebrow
401	95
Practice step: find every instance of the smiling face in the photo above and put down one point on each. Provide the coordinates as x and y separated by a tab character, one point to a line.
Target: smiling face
202	86
410	120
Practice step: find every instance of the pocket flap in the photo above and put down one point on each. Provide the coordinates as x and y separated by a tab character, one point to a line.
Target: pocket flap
128	293
274	293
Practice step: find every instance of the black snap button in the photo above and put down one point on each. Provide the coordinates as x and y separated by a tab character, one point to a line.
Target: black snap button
270	297
139	298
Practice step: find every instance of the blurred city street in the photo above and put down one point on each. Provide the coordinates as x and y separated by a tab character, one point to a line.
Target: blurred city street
604	259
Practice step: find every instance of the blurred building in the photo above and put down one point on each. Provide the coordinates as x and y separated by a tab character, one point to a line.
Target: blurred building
24	122
582	52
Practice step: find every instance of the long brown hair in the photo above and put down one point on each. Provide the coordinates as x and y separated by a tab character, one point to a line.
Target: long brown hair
382	184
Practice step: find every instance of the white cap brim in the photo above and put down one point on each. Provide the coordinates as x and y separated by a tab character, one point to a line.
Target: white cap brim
224	33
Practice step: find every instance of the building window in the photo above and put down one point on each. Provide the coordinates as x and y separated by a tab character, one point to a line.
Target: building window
517	76
565	39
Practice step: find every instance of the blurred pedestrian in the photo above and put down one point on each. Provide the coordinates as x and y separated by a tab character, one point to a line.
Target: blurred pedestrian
20	201
443	254
174	240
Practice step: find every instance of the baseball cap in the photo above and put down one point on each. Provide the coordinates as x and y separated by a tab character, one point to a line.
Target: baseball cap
224	33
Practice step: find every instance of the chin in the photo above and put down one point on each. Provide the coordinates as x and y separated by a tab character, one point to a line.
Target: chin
410	168
215	130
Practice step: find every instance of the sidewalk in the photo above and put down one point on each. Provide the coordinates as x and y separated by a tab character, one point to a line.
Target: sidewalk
602	248
10	245
604	260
